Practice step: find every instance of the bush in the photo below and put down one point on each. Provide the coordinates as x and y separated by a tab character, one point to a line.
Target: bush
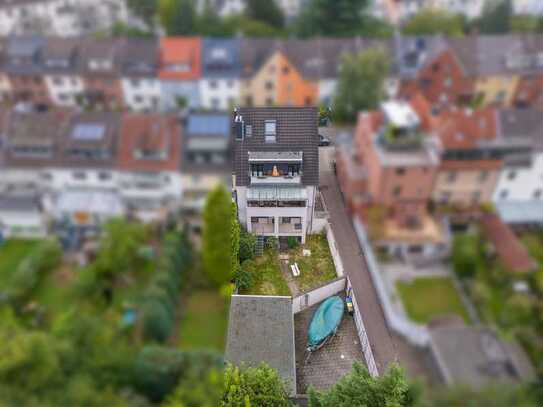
244	277
157	321
247	246
292	242
465	255
272	243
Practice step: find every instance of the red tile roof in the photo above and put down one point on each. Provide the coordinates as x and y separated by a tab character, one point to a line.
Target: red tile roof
465	128
509	249
180	58
151	133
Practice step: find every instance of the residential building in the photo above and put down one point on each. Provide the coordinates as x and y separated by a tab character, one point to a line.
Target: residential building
60	17
22	64
397	159
276	167
61	70
518	195
221	69
180	71
21	215
101	67
139	69
149	155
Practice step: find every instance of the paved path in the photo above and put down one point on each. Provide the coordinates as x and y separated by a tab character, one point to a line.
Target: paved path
381	340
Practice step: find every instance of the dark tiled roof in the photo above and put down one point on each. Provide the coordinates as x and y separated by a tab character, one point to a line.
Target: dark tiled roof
101	49
58	49
296	129
261	329
140	57
522	123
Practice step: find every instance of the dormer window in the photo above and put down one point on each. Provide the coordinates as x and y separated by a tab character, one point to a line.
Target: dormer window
150	154
100	64
178	67
270	131
218	53
57	63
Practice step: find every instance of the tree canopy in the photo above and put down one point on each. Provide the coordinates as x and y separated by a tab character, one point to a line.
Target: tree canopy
496	17
178	17
361	83
217	230
434	21
146	10
265	11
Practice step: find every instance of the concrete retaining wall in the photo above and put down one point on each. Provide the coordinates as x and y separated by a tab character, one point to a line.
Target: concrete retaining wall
317	295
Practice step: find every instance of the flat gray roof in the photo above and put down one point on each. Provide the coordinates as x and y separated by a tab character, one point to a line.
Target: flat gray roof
261	329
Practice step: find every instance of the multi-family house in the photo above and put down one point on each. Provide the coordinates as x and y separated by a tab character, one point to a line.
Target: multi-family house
221	68
389	174
60	17
100	67
23	66
470	159
139	69
276	167
518	195
274	79
148	160
206	160
180	71
61	71
395	11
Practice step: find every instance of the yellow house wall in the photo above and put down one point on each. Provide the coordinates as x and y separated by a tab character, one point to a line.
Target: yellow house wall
491	86
463	189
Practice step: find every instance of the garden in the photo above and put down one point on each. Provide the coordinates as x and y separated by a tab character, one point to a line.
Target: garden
426	298
270	273
494	290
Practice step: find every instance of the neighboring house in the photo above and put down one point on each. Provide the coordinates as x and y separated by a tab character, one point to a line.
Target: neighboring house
470	160
60	17
149	156
532	7
261	330
519	191
101	70
399	158
21	215
23	65
139	69
395	11
206	160
276	167
180	71
61	70
221	69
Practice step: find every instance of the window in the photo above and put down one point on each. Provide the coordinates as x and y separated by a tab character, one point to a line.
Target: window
445	196
138	99
400	171
248	130
215	103
286	70
104	176
511	175
57	80
230	84
213	84
538	193
435	67
397	190
483	176
268	85
448	82
269	102
270	131
79	175
451	177
504	193
135	83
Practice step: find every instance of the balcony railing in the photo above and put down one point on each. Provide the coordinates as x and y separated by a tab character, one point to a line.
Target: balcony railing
280	179
290	228
262	228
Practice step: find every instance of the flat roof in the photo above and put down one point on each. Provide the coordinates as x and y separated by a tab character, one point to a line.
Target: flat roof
521	212
261	329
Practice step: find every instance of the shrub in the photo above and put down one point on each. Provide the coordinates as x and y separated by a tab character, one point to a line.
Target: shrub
465	255
292	242
272	243
244	278
247	246
157	321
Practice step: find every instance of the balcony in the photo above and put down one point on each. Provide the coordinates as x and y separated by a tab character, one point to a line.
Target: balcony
395	139
278	179
262	225
290	225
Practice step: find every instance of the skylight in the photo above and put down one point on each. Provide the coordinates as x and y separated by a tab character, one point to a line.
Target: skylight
88	132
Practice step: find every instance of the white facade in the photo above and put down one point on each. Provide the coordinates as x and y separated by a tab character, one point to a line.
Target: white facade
277	221
528	7
22	224
521	183
60	17
141	94
64	88
219	93
327	90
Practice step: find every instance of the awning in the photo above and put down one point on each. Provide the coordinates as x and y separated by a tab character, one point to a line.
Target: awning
276	193
521	212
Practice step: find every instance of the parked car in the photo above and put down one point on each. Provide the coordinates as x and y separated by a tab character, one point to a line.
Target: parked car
324	141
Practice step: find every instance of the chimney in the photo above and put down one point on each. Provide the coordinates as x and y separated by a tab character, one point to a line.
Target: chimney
238	126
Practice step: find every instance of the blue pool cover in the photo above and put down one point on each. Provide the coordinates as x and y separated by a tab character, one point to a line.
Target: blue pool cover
325	321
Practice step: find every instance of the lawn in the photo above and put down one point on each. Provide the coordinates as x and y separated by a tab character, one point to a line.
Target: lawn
205	321
429	297
316	269
12	252
268	279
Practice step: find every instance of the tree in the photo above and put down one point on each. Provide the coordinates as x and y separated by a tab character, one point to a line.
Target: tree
249	27
144	9
265	11
331	18
194	390
247	246
234	239
525	23
361	389
465	254
260	386
434	21
496	17
361	83
210	24
178	17
216	250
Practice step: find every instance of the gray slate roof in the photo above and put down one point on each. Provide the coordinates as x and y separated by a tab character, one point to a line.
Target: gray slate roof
261	329
221	58
296	129
515	124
